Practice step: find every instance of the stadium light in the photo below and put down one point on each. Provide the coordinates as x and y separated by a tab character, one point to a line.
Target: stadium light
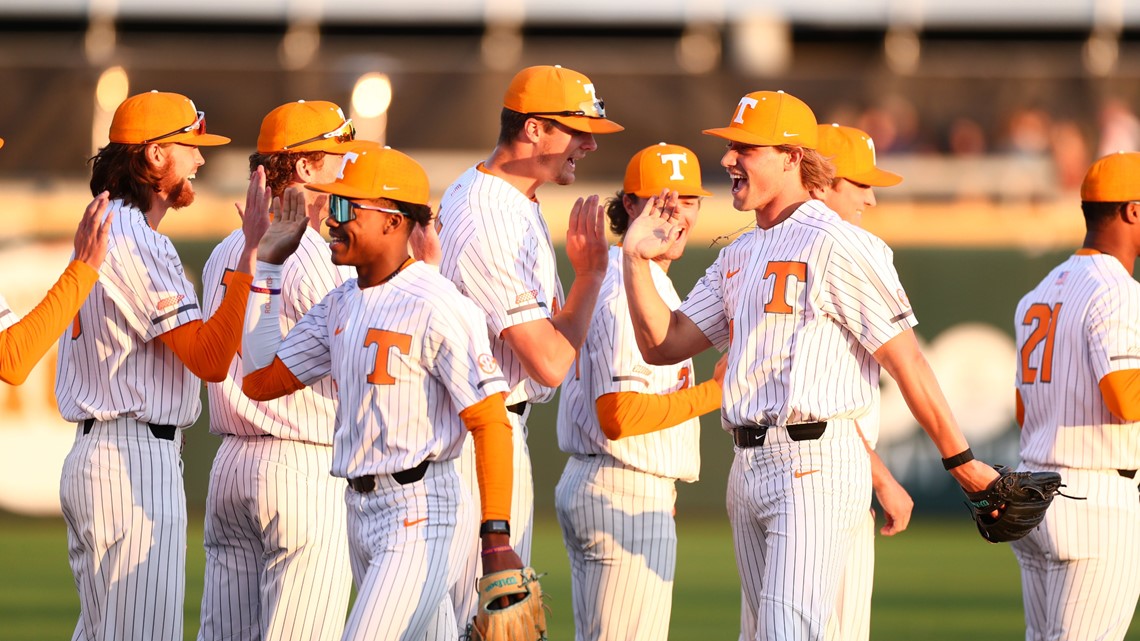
371	97
110	91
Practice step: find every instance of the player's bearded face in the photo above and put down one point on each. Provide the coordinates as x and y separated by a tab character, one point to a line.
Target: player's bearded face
559	151
181	167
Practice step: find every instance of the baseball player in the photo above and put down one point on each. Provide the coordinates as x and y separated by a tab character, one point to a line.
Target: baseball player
498	251
23	341
128	375
852	153
813	308
413	372
632	431
1078	404
276	547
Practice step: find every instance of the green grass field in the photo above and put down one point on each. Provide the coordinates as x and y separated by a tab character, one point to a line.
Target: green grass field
937	581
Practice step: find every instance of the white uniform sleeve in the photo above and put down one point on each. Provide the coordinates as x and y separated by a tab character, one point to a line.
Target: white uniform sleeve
457	352
306	351
705	306
1113	330
148	285
261	334
8	317
501	275
864	294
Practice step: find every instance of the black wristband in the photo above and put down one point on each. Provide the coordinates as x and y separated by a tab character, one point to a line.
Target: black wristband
495	526
963	457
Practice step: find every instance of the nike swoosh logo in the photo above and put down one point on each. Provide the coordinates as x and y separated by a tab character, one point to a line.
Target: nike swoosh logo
731	273
408	523
337	331
799	474
387	188
788	134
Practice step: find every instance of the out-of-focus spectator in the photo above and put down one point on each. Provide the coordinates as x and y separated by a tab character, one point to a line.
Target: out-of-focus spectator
892	124
1027	132
965	137
1070	154
1119	128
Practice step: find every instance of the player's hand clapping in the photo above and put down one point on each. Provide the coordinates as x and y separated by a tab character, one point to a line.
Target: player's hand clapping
586	245
91	237
288	226
255	215
653	231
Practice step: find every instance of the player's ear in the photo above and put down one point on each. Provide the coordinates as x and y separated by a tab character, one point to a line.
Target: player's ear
1130	213
155	154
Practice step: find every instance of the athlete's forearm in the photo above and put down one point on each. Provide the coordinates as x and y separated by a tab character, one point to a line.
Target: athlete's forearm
547	348
573	320
663	336
494	455
23	344
208	348
623	414
270	382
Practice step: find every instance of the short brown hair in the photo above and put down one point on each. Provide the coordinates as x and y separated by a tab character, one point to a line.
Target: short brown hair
816	171
280	167
1098	214
511	123
124	171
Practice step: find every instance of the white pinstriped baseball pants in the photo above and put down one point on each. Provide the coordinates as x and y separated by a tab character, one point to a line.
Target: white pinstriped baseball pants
276	543
617	525
1080	569
409	544
851	620
125	508
795	507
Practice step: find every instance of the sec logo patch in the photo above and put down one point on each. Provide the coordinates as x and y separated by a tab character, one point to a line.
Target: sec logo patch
488	364
902	298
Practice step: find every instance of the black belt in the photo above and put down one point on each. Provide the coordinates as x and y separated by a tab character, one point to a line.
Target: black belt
754	435
164	432
1128	474
517	408
365	484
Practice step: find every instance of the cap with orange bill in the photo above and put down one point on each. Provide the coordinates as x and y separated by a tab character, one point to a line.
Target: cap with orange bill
852	152
1113	179
158	116
1	142
663	166
562	95
768	119
370	171
301	126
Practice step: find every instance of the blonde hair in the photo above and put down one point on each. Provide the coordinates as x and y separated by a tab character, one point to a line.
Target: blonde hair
816	171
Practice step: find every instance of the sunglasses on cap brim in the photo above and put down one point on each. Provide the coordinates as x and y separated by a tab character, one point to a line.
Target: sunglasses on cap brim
589	109
198	127
346	132
342	209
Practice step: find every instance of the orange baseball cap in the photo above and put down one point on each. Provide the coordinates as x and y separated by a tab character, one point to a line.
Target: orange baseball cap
770	118
663	166
370	170
305	126
1114	178
853	153
1	142
562	95
158	116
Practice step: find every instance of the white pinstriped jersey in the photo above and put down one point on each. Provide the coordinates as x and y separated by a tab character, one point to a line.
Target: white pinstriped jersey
110	363
610	362
1079	324
807	303
8	317
309	414
498	252
405	357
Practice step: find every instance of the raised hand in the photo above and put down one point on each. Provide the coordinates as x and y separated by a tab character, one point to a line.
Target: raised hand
653	231
284	234
91	236
255	215
586	237
425	243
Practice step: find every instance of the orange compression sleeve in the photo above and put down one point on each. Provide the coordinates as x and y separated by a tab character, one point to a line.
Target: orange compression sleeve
23	344
208	348
1121	392
272	381
494	455
623	414
1020	405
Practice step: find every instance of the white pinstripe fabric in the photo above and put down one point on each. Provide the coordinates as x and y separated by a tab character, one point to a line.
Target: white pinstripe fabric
403	572
8	317
125	508
121	488
1080	569
617	524
275	538
851	620
610	362
801	308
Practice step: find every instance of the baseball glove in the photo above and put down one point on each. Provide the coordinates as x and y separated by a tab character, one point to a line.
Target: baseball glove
1020	498
522	620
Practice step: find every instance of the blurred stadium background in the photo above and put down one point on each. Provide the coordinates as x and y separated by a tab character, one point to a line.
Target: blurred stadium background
991	111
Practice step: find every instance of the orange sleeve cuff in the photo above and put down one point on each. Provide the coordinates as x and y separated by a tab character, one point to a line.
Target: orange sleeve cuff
1020	408
494	455
208	348
1121	392
23	345
272	381
623	414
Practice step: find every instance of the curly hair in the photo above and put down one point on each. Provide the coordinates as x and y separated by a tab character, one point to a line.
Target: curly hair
125	172
281	166
616	213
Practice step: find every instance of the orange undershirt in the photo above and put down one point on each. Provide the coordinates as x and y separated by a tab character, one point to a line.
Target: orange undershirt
206	349
494	455
623	414
272	381
23	344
